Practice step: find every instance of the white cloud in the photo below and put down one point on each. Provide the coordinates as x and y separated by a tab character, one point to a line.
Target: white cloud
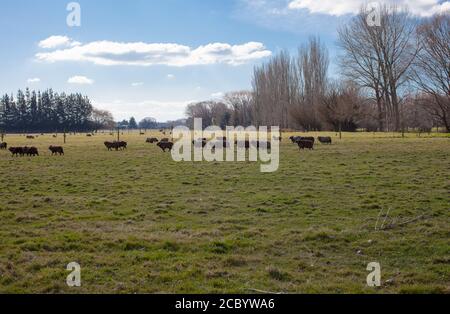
58	41
110	53
81	80
421	8
217	95
136	84
33	80
170	76
160	110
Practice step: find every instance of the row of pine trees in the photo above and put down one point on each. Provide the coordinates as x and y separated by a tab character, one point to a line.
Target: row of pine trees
46	111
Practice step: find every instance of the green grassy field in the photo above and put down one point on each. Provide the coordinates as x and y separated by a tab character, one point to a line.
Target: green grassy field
136	221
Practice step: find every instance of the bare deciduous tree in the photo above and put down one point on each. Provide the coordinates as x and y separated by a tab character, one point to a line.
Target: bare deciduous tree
379	57
431	70
241	105
341	107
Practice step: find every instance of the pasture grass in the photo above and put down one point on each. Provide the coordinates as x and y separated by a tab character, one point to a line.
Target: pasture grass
138	222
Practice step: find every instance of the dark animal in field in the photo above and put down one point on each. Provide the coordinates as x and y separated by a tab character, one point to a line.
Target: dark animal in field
241	144
295	139
308	138
222	142
109	145
258	144
305	144
121	145
3	145
54	136
16	151
263	145
152	140
116	145
56	150
325	139
199	142
30	137
142	133
29	151
165	145
89	135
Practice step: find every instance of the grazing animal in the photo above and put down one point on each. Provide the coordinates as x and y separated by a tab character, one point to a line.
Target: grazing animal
3	146
54	136
31	151
16	151
295	139
152	140
263	144
30	137
89	135
121	145
56	150
116	145
199	142
325	139
310	138
241	144
305	144
247	144
165	145
109	145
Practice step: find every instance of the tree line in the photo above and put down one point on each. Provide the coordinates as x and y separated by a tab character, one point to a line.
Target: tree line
47	111
391	77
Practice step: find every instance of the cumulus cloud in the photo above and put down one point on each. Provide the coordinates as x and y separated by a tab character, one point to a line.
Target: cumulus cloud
57	41
81	80
136	84
34	80
109	53
421	8
170	76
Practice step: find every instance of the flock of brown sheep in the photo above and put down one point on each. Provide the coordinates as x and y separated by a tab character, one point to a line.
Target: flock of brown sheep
166	144
30	151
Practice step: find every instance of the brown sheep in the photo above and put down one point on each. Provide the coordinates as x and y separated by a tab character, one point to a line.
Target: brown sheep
152	140
325	139
3	145
56	150
30	151
302	144
165	145
16	151
109	145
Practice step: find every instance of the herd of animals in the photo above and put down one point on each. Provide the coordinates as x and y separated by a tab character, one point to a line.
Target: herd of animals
166	144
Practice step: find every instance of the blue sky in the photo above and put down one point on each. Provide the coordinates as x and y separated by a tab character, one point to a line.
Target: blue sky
151	57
